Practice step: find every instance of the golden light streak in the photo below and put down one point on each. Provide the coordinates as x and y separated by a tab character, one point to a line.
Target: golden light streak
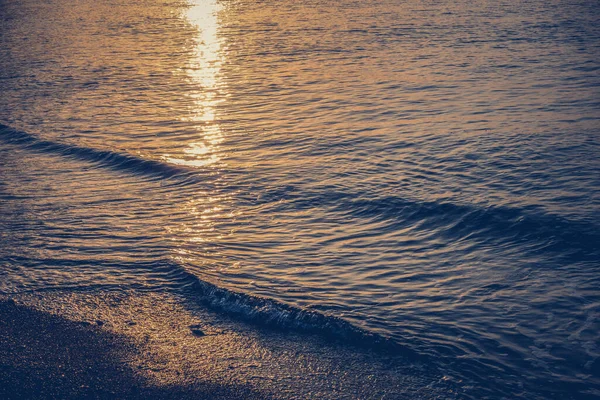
204	74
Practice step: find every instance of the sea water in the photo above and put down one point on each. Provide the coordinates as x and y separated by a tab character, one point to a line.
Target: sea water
424	174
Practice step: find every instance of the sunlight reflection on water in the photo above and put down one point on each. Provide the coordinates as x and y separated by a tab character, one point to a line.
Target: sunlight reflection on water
204	74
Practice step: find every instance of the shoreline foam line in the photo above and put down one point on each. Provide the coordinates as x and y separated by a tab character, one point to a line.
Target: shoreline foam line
270	313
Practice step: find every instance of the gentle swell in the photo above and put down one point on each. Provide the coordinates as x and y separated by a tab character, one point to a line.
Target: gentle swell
456	221
580	240
106	158
492	224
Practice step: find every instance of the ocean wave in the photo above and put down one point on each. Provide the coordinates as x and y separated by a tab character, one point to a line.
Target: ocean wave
270	313
168	274
105	158
498	225
459	221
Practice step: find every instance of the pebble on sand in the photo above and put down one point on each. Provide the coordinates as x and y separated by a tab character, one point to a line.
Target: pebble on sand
195	329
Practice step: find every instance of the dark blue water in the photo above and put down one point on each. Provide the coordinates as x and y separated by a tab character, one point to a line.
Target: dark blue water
422	177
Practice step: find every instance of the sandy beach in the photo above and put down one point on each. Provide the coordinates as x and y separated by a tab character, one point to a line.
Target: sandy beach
47	356
143	345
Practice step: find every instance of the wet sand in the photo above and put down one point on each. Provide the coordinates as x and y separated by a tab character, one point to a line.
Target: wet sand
145	345
46	356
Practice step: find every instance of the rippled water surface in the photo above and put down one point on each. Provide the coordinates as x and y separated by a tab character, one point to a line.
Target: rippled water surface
425	172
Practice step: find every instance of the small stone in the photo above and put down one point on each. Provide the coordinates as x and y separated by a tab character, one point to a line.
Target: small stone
197	331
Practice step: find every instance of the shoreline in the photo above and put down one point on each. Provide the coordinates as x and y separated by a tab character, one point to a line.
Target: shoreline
149	345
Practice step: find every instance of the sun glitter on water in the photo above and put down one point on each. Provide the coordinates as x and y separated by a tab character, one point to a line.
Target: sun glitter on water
204	73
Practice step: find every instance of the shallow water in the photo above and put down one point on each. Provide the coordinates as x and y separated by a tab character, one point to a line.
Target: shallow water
425	172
